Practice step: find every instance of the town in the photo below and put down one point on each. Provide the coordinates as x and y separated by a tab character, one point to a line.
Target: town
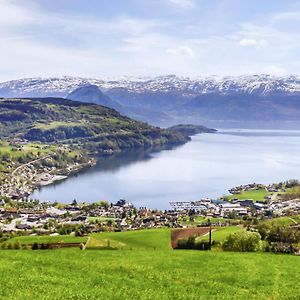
26	216
26	166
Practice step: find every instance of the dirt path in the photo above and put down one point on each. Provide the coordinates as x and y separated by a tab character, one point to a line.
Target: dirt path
87	242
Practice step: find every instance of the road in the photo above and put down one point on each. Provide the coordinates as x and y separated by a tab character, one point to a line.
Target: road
29	163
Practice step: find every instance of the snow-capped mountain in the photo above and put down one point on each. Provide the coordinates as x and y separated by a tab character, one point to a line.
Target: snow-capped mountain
187	86
169	100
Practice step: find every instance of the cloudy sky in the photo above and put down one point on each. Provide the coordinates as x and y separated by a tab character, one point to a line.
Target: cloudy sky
97	38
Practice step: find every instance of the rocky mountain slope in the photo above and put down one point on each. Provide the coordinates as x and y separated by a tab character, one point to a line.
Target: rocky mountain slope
250	84
92	94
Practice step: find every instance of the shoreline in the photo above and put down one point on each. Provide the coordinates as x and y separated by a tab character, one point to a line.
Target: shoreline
64	175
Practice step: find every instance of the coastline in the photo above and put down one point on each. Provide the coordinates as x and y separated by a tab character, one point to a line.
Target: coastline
73	169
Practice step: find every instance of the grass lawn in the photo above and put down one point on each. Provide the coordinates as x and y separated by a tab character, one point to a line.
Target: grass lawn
219	220
147	274
13	151
140	239
256	195
101	219
219	234
284	221
55	124
25	240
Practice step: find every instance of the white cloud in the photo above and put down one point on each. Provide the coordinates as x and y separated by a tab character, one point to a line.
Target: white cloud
286	16
181	51
275	70
13	15
41	42
247	42
259	44
183	3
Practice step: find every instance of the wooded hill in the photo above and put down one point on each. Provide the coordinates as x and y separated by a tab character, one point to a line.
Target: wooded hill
89	126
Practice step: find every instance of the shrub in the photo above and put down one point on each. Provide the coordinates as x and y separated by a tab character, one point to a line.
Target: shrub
244	241
283	239
191	243
35	246
44	246
17	245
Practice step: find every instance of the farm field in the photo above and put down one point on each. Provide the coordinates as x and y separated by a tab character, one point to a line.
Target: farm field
101	219
34	148
219	234
141	239
147	274
25	240
284	221
255	195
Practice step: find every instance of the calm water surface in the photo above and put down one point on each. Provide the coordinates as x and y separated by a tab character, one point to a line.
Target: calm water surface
205	167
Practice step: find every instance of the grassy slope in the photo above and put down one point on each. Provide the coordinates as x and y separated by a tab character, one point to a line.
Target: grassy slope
284	221
34	148
150	271
147	274
220	233
25	240
141	239
256	195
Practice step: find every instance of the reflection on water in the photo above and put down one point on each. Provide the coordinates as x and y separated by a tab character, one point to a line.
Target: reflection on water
113	163
205	167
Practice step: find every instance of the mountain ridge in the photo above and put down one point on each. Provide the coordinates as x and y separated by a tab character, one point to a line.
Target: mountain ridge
259	84
240	101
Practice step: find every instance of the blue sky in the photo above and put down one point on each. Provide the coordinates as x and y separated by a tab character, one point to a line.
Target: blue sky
148	37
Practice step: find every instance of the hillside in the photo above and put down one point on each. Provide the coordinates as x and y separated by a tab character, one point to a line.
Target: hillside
245	107
242	101
147	274
92	127
145	266
92	94
189	129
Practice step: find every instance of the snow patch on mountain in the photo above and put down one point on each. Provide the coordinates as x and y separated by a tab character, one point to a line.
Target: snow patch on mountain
188	86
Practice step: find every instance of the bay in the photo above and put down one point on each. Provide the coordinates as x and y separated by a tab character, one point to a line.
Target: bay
205	167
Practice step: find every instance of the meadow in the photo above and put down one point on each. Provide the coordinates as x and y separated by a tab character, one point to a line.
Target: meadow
220	233
151	239
26	240
145	267
255	195
147	274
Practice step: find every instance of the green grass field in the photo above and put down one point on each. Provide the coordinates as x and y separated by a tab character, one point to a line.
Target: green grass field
140	239
25	240
145	268
284	221
256	195
147	274
101	219
219	234
34	148
56	124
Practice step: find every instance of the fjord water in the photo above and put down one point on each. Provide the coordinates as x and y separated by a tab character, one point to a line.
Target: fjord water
205	167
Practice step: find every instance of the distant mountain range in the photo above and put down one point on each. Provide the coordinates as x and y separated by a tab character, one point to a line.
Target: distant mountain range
244	101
